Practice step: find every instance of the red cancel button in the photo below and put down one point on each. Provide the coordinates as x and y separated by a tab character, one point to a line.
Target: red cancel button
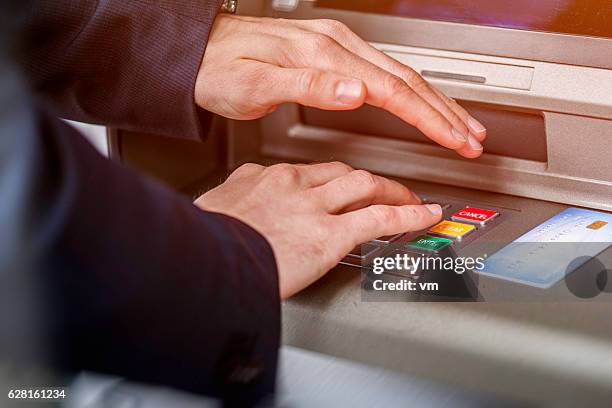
475	215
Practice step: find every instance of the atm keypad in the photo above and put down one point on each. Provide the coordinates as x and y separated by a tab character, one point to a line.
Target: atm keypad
462	223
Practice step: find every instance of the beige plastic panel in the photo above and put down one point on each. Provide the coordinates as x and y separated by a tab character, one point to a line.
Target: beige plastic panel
484	73
554	87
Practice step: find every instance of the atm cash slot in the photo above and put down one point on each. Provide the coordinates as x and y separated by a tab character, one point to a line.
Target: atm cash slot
513	133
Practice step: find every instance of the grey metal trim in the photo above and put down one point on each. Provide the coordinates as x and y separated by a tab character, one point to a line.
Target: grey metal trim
453	76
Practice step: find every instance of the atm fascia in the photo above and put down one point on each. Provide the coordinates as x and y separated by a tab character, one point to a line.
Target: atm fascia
546	100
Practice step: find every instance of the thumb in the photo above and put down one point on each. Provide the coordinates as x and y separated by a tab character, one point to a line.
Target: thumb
317	88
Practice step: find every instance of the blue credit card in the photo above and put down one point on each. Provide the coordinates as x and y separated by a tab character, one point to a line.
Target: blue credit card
543	256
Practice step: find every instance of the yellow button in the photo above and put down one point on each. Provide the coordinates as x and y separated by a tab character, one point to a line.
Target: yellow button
456	230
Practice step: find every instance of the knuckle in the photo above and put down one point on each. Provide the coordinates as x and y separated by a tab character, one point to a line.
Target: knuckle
345	167
366	181
321	42
394	84
247	169
307	81
250	97
394	87
281	168
416	81
333	27
414	215
289	55
255	76
385	215
284	173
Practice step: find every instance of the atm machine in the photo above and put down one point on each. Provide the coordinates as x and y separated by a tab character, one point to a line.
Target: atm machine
538	75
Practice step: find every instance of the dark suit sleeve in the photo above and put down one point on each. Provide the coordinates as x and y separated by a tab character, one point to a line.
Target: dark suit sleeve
122	276
155	289
125	64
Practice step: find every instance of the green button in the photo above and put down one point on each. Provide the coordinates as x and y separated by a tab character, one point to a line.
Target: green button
430	243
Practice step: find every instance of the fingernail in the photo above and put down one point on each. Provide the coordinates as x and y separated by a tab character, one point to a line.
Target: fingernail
348	91
435	209
458	135
416	197
475	125
474	143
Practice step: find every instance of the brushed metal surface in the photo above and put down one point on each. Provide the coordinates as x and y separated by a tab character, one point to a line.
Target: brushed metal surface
554	354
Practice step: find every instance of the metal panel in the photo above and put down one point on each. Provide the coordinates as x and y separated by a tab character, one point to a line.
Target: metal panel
503	42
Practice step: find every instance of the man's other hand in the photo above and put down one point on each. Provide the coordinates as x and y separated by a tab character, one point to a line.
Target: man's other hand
253	64
313	215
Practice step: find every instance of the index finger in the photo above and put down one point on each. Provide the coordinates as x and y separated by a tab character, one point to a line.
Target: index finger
379	220
359	189
384	90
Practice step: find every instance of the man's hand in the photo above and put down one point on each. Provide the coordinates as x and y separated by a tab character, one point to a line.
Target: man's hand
313	215
253	64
